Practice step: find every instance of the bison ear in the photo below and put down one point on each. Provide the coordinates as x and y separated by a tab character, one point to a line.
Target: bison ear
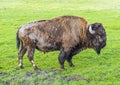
91	30
99	24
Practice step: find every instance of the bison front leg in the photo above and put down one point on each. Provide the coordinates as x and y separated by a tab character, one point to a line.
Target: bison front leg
69	60
30	56
62	57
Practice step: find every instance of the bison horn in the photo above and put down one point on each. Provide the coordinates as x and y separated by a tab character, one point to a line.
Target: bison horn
91	30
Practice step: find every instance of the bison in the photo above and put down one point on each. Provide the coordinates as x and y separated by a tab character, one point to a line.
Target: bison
69	34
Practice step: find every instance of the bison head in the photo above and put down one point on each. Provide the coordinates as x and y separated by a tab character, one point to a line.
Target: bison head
97	36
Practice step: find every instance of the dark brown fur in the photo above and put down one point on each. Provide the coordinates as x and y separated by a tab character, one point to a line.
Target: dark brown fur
69	34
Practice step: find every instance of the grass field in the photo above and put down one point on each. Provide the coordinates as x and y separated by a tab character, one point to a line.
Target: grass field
90	69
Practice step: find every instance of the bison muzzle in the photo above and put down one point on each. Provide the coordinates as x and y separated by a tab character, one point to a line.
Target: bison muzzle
69	34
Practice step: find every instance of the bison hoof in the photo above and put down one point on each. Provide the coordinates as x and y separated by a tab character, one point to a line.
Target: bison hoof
62	67
21	67
72	65
36	68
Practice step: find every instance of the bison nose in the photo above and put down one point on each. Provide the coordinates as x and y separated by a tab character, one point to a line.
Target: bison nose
103	45
98	51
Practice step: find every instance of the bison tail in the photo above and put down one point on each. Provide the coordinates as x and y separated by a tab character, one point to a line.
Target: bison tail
17	41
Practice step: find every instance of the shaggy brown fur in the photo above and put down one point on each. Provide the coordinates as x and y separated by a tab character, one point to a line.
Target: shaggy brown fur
69	34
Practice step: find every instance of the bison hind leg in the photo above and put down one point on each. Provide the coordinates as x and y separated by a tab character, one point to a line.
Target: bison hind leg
31	55
20	56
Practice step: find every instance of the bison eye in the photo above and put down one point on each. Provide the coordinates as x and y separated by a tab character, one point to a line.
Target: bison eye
94	28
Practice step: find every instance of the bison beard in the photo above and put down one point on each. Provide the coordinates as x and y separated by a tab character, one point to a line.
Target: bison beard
69	34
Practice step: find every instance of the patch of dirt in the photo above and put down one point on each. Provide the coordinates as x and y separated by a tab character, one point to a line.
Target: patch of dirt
43	72
50	75
3	74
47	74
75	78
40	77
28	73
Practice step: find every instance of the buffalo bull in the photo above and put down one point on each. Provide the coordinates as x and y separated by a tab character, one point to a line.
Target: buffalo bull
69	34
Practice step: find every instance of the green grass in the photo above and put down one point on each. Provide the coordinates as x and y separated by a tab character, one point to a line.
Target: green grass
90	69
